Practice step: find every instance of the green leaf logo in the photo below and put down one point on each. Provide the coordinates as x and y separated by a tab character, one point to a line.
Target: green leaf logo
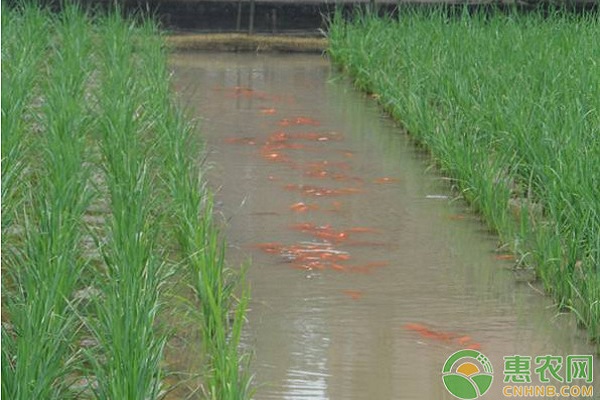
467	374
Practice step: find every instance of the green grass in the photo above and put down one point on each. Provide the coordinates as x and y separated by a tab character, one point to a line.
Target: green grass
103	202
508	105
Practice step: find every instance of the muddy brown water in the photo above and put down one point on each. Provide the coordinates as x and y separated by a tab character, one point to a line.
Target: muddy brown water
365	274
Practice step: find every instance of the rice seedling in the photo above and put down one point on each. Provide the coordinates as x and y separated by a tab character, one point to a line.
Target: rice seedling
91	121
202	248
135	272
22	56
38	356
508	105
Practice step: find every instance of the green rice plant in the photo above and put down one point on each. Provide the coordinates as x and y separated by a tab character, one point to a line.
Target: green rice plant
39	358
202	249
135	272
90	116
508	105
25	30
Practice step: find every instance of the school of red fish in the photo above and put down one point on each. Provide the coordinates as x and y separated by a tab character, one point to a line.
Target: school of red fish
326	247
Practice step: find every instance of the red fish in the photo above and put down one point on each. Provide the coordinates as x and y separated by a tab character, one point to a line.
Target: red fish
338	267
353	294
243	91
268	111
386	180
279	137
299	121
303	207
505	257
325	232
463	341
317	137
336	206
367	268
316	191
243	140
274	156
272	247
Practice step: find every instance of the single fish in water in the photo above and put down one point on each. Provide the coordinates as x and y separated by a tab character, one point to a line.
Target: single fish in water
317	191
426	332
353	294
303	207
268	111
242	140
386	179
299	121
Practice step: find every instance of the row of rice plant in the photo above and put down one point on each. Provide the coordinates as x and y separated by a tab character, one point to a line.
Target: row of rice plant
202	248
45	268
509	105
103	167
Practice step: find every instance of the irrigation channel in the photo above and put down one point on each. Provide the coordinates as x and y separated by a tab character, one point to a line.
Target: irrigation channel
366	274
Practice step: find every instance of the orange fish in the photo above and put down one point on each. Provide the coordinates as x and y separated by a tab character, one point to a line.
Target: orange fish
325	232
316	191
283	146
317	137
303	207
299	121
449	337
428	333
335	256
272	247
310	266
243	140
353	294
275	157
367	268
386	180
505	257
336	206
463	340
337	267
320	174
415	326
279	137
268	111
342	177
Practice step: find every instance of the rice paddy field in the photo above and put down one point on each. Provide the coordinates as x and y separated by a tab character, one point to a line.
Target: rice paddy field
508	105
104	214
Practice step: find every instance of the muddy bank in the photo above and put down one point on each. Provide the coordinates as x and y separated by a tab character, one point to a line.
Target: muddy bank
244	42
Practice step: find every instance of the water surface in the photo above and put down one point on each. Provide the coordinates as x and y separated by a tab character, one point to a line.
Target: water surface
401	275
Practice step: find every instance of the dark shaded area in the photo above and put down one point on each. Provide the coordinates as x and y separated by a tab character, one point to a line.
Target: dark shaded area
308	17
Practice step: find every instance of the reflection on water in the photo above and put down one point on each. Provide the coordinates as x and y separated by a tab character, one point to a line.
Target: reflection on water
365	274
